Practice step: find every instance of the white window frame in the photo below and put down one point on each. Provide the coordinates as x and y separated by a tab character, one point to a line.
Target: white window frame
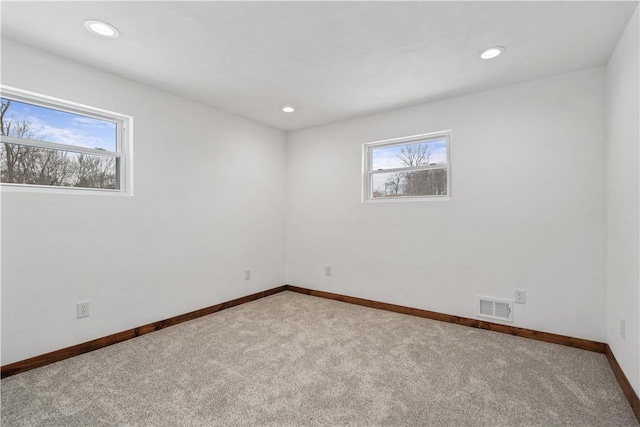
368	172
124	147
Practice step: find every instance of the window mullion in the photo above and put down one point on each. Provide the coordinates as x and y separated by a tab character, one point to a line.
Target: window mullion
411	169
56	146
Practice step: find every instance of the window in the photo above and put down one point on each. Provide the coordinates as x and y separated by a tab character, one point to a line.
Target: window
411	168
48	144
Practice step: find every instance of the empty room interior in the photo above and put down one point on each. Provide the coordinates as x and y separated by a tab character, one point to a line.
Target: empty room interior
320	213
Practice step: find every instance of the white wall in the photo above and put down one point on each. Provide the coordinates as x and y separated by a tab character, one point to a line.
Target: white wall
528	207
623	212
208	203
528	211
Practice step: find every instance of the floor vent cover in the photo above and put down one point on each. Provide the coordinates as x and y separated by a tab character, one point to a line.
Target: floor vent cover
493	308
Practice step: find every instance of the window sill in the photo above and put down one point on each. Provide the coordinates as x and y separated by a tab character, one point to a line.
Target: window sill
27	188
408	199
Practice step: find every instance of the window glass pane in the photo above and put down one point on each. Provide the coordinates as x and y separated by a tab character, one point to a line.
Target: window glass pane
431	182
29	121
432	152
22	164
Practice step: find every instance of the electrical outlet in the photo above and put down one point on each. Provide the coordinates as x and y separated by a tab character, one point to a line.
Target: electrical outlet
521	296
247	274
623	328
327	270
82	309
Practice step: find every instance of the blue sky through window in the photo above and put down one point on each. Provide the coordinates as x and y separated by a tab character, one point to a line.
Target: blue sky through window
389	157
61	127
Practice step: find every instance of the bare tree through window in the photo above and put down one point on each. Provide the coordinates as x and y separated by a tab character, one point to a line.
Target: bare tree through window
415	169
26	164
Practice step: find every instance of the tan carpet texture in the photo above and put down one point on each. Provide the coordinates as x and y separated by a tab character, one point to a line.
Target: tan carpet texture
291	359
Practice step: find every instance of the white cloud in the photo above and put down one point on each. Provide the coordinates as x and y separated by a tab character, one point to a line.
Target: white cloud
88	122
71	135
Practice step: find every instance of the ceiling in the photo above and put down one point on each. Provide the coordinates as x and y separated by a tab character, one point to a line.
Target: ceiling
330	60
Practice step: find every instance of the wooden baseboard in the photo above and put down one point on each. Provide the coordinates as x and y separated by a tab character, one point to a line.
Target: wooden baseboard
628	391
475	323
75	350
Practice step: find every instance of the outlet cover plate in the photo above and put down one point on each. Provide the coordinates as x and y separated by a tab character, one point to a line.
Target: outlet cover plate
82	309
521	296
327	270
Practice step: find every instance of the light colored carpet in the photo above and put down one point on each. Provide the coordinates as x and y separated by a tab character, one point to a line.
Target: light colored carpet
292	359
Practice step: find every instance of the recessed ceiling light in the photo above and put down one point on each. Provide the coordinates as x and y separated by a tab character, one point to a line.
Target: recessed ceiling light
288	109
491	52
102	29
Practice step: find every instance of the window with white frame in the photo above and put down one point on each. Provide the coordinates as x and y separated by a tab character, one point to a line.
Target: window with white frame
411	168
48	143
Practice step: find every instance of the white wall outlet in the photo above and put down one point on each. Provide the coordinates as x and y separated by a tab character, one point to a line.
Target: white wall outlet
521	296
623	328
82	309
247	274
327	270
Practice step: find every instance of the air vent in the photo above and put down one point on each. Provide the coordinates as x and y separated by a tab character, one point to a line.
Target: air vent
493	308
